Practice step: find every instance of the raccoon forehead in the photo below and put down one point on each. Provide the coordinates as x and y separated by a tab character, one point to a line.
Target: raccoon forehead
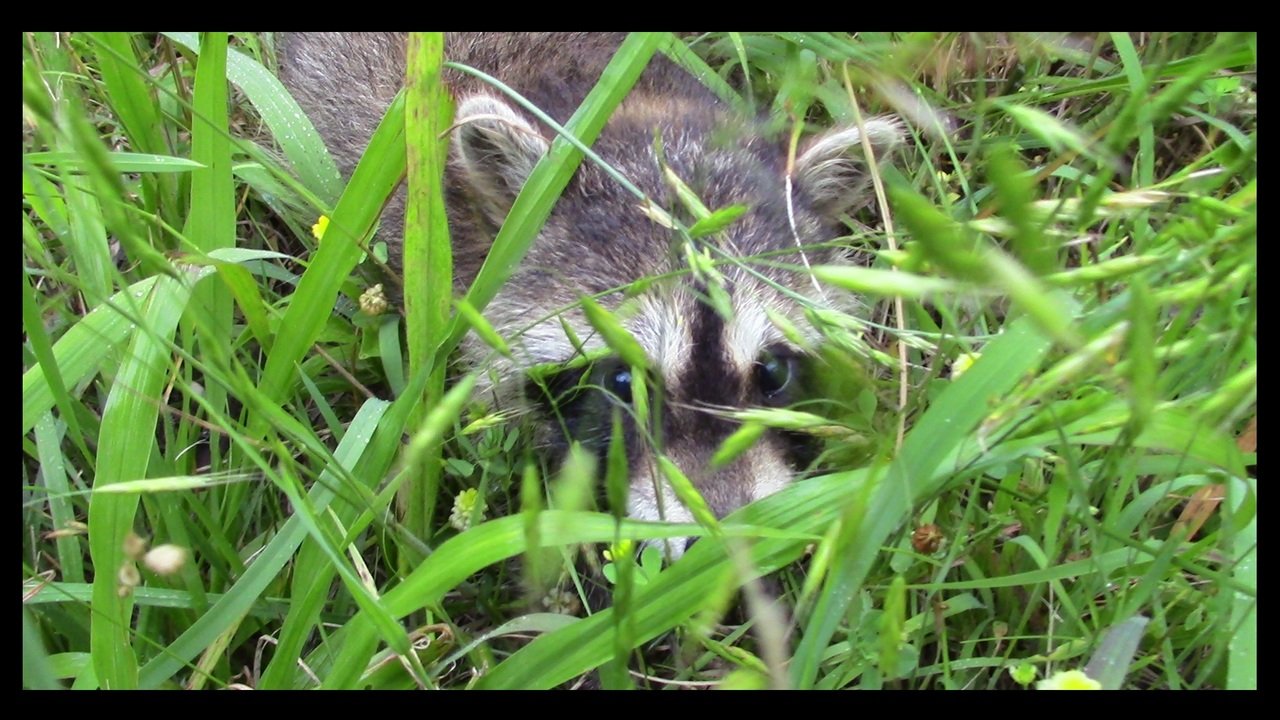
663	325
750	330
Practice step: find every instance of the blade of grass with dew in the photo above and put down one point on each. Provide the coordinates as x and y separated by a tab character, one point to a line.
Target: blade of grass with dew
125	444
259	574
53	471
549	178
263	171
1242	657
157	597
122	161
68	665
211	221
947	424
290	127
1110	662
428	257
311	304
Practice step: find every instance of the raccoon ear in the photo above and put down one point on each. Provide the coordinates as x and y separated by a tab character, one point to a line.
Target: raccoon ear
496	150
831	167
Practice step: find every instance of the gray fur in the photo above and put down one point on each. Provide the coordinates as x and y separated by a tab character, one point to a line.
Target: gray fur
597	237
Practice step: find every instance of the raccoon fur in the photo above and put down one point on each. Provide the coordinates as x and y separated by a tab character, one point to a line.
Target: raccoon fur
597	238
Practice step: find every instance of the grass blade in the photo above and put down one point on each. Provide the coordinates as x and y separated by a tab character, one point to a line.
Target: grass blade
125	442
428	257
552	174
947	424
264	569
311	304
289	125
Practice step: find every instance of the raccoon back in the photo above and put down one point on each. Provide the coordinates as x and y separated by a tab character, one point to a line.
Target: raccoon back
346	81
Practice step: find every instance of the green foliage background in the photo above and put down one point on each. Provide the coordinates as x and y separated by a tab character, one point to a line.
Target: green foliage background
1040	436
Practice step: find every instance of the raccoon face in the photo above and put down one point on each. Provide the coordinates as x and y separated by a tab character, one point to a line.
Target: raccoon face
702	366
597	239
703	360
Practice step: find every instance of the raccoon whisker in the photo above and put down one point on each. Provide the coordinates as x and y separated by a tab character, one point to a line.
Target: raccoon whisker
795	235
724	411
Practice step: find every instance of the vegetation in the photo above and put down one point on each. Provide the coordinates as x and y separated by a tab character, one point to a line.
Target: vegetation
1039	439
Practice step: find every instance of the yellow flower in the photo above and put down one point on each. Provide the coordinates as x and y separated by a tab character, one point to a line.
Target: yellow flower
1069	680
321	225
963	362
623	547
1023	674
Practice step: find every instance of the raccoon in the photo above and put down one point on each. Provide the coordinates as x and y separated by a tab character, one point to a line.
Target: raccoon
704	360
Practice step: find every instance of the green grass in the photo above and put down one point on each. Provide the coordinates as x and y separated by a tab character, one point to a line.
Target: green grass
1040	435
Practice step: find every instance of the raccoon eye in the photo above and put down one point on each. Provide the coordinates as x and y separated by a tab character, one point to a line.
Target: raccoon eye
618	382
774	372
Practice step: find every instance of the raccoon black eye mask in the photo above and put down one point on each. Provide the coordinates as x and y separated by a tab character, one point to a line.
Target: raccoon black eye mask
597	238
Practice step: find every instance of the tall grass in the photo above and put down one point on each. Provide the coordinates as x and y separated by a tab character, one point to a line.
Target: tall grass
1040	437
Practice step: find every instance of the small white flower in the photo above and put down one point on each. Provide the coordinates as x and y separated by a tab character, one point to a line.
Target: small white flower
165	559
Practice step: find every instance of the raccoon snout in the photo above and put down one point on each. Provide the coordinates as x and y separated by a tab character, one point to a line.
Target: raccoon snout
760	472
672	548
